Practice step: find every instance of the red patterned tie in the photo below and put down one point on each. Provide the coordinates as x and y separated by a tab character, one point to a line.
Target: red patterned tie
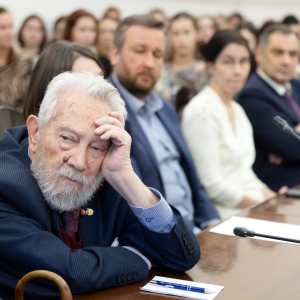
69	221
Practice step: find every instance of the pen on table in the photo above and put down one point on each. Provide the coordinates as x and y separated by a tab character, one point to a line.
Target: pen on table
182	287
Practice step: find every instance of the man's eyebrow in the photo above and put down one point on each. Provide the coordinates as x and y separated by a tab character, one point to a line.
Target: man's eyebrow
140	44
71	129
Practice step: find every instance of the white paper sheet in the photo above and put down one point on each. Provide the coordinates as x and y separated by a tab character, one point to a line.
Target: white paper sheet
259	226
149	287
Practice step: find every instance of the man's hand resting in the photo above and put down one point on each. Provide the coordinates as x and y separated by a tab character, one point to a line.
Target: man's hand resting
116	167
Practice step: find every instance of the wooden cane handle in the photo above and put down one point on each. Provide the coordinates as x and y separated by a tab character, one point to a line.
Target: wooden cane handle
63	287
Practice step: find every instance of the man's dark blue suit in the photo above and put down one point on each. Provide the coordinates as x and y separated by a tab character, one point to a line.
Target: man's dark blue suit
30	237
262	103
146	165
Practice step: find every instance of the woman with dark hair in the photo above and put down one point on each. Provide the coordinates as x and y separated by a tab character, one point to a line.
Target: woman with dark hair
59	29
15	69
112	13
81	28
218	132
32	35
249	33
57	58
183	68
159	15
207	27
106	29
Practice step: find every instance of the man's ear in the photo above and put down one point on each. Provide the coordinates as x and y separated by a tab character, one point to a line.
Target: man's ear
33	132
114	55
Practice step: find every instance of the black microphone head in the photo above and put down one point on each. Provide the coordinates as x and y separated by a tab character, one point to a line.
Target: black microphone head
240	231
278	121
282	124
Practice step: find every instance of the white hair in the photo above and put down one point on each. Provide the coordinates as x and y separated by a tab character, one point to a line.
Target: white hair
94	86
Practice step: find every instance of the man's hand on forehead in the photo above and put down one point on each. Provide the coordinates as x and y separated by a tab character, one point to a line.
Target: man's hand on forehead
116	167
114	118
111	127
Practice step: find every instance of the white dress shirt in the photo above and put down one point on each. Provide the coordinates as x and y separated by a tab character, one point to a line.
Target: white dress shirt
223	158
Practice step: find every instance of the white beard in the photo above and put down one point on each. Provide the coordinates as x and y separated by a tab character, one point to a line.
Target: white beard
65	200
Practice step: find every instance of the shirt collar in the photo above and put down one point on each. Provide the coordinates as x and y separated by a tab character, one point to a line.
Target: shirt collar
153	102
279	89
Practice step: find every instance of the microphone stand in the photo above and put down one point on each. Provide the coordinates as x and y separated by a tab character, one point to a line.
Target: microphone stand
284	126
244	232
276	238
293	133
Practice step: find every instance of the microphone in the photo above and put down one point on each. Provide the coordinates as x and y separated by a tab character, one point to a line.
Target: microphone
244	232
284	126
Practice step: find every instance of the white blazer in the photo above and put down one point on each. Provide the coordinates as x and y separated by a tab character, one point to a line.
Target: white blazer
223	158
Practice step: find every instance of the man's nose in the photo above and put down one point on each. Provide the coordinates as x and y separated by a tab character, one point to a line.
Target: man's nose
286	59
149	60
78	160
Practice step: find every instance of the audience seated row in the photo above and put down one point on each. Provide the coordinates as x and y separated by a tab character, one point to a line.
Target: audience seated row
15	70
57	58
270	92
64	155
184	66
212	159
159	151
218	132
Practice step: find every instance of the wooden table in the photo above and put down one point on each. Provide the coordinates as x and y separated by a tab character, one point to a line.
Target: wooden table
249	269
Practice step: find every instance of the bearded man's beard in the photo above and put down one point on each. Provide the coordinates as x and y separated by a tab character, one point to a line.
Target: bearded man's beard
131	84
71	196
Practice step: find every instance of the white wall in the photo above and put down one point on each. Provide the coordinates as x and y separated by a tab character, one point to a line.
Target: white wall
255	10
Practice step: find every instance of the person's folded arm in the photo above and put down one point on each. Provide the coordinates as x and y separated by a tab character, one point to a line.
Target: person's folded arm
27	246
162	249
159	218
176	250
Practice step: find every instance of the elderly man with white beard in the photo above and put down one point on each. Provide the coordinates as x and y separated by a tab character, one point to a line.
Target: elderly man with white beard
71	203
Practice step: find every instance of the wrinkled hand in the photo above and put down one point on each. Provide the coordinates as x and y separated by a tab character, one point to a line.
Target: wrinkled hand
275	159
116	166
117	159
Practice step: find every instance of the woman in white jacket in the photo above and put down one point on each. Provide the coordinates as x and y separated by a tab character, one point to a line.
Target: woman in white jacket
218	131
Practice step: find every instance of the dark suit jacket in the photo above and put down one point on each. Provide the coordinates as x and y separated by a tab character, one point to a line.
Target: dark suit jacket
261	103
30	237
146	165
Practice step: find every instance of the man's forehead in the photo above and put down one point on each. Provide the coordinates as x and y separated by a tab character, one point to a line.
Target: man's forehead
281	40
139	33
81	107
